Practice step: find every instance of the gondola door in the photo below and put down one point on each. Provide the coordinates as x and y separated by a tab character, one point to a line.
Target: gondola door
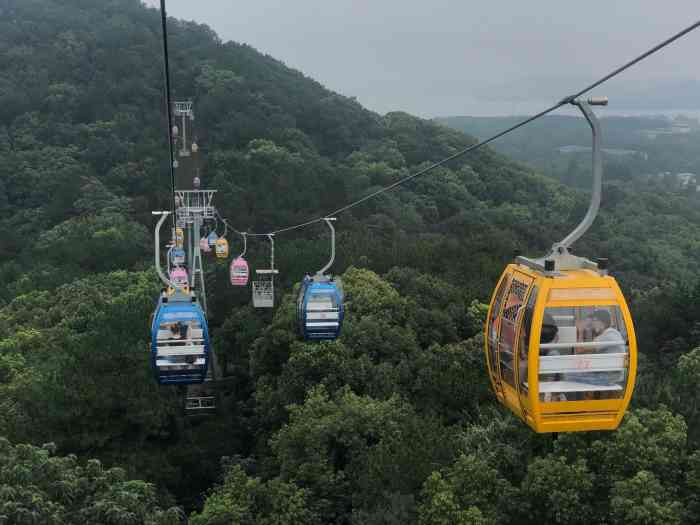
513	309
492	326
525	326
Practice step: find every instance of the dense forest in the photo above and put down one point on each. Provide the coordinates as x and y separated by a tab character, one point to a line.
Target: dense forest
392	423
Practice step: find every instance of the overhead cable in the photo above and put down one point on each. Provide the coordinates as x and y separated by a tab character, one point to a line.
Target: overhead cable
166	67
479	144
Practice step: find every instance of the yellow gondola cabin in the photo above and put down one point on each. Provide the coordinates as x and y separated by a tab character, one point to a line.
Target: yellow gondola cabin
561	349
559	339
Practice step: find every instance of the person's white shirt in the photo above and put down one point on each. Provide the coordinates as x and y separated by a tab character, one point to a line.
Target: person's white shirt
611	335
617	346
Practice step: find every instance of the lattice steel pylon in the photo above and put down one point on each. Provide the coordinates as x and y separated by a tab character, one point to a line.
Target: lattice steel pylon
196	207
195	203
193	208
197	269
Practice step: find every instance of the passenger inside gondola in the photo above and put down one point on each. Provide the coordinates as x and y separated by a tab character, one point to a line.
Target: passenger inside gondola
180	334
169	331
550	334
603	331
588	358
322	302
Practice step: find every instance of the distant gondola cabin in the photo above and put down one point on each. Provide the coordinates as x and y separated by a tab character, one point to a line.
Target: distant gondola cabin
212	238
179	278
221	248
239	272
179	237
178	257
560	348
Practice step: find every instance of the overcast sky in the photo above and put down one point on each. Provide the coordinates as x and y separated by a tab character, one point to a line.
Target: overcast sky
459	57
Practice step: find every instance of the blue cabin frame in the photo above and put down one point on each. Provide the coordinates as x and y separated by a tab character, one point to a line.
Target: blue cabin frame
179	355
320	308
178	257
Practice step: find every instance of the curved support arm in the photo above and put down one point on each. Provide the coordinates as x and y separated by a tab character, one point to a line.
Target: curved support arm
245	244
594	206
323	270
163	216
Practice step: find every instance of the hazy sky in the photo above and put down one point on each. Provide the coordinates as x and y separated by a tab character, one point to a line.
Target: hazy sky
449	57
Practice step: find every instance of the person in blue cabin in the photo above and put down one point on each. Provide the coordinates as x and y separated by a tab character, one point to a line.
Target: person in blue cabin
175	331
183	329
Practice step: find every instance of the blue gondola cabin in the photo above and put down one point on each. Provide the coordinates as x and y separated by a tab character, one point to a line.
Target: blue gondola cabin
320	308
179	342
178	257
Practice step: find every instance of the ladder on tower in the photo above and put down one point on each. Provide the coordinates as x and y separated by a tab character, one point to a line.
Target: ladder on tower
200	399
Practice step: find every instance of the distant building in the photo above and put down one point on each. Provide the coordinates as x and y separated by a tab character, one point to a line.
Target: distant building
574	149
616	152
675	129
687	179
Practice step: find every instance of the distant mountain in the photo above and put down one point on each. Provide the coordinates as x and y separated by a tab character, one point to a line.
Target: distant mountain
550	144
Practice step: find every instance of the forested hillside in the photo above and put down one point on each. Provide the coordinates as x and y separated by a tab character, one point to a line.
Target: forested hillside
392	423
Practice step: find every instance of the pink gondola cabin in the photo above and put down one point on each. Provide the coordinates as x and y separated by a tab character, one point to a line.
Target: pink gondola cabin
239	272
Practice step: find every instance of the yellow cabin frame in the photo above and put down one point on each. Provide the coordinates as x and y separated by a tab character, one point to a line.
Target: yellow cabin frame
570	288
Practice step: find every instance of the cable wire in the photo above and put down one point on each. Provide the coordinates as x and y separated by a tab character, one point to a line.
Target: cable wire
479	144
166	64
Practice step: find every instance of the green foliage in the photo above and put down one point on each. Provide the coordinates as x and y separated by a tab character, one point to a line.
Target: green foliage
558	492
451	380
85	379
470	491
250	501
38	487
642	500
692	481
687	398
357	451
